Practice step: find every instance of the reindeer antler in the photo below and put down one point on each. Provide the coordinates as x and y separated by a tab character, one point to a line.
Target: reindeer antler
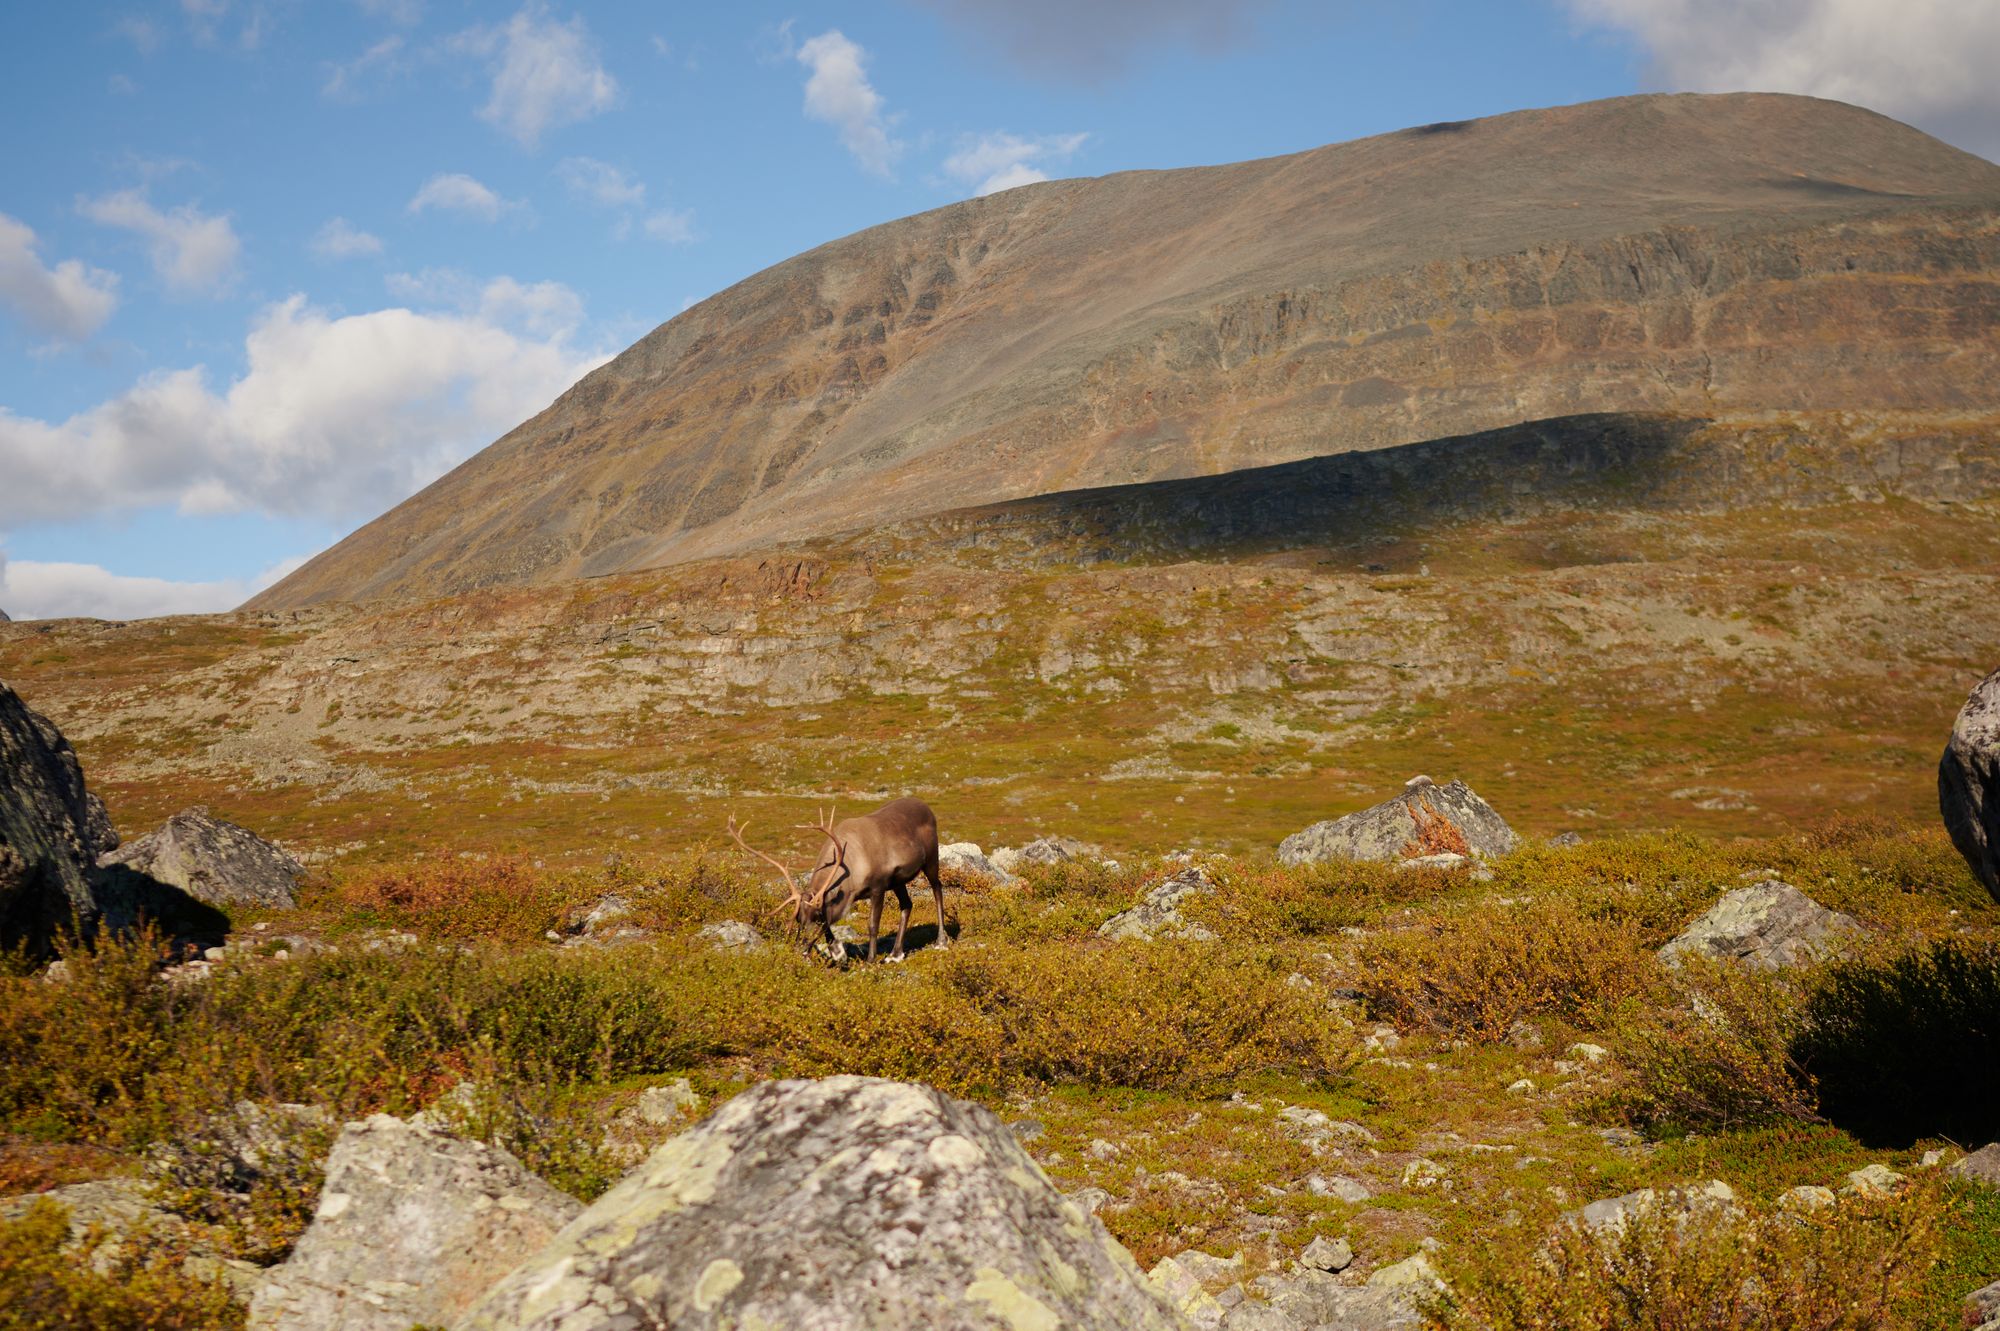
785	876
825	828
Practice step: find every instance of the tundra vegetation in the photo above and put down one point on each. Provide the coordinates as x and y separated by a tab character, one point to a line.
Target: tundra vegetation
1414	1003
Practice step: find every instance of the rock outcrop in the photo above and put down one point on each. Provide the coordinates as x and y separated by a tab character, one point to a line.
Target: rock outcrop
1982	1166
51	832
1425	820
1969	783
1765	926
847	1203
214	862
413	1226
967	857
1158	914
1011	860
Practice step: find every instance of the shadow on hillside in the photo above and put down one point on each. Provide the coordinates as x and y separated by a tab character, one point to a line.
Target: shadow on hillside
1910	1048
1605	461
131	900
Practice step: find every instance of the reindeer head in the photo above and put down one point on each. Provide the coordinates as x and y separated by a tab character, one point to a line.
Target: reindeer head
822	900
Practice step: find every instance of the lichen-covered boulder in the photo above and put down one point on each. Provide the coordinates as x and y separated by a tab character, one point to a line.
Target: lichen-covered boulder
1765	926
846	1204
214	862
413	1225
1158	914
51	832
1426	819
1042	850
1969	783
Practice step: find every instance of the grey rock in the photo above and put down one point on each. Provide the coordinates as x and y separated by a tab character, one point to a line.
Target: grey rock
1158	914
413	1226
1806	1197
1982	1166
731	936
665	1105
967	857
1874	1181
1325	1254
51	832
1389	830
1319	1301
1340	1185
214	862
1091	1200
1182	1289
1042	850
112	1204
1613	1214
1206	1266
1982	1306
848	1202
1765	926
607	922
1566	839
1969	783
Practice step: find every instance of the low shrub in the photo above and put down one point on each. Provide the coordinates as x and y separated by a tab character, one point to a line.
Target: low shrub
1861	1267
1909	1047
1473	973
137	1282
1720	1057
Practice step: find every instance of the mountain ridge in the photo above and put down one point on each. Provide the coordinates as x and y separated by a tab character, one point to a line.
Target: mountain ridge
1678	253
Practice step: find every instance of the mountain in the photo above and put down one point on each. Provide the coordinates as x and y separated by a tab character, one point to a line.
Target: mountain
1679	255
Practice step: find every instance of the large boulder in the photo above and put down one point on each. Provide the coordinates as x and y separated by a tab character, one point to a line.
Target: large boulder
847	1204
214	862
413	1225
51	832
1969	783
1765	926
1158	913
1426	819
967	858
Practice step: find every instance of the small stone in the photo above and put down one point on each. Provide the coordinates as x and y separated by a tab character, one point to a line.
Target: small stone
1180	1288
1158	913
1327	1254
1207	1267
1091	1200
1874	1181
1423	1173
664	1105
1411	1273
1340	1185
1100	1149
1806	1197
1525	1035
1027	1129
1982	1166
1589	1053
215	954
731	936
1522	1087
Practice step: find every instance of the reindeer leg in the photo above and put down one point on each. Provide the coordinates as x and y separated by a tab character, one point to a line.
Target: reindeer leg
902	925
875	922
937	895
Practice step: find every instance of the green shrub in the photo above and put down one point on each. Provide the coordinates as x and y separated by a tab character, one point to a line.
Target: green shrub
1475	972
136	1283
1862	1267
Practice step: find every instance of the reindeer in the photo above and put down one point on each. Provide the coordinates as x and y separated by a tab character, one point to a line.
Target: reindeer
870	857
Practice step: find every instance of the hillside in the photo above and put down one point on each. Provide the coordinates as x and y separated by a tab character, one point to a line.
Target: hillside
1678	254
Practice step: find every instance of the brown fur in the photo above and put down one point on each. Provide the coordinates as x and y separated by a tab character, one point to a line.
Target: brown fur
870	857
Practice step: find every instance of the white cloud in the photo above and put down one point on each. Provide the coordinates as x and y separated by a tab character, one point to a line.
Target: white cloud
70	300
192	251
671	226
122	85
838	92
1932	61
35	589
459	193
341	239
545	73
337	417
384	60
144	34
998	161
600	182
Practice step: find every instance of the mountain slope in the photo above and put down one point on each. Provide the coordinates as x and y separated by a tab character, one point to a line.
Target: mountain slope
1684	254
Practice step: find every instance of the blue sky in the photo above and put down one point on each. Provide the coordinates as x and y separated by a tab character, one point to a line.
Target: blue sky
268	266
